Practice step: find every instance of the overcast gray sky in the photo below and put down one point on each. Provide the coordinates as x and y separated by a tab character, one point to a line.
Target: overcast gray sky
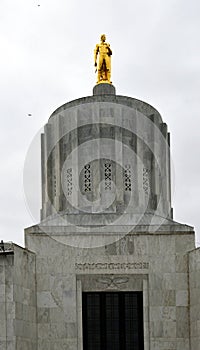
47	60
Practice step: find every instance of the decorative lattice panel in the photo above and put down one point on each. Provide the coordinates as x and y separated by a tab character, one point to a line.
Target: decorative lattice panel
146	181
127	178
87	178
108	175
69	181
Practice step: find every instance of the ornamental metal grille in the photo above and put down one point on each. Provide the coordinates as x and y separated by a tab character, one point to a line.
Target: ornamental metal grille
113	321
69	181
146	181
127	177
108	175
54	185
87	178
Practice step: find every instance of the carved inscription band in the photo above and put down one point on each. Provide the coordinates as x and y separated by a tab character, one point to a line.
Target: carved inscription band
111	266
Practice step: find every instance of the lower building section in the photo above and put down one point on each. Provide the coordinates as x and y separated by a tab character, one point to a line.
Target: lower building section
140	292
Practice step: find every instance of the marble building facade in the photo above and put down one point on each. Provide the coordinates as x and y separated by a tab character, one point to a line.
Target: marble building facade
106	226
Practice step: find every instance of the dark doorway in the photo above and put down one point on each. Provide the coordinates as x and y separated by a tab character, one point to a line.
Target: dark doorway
113	321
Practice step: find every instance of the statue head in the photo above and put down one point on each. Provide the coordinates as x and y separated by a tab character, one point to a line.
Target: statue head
103	37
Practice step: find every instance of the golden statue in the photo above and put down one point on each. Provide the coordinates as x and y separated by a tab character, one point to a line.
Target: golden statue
103	53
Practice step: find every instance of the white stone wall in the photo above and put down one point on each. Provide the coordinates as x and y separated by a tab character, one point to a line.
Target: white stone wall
24	290
56	294
17	300
168	293
153	263
194	279
7	307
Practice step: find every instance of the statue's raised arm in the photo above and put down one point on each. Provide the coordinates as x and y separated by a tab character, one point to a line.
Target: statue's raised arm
102	61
